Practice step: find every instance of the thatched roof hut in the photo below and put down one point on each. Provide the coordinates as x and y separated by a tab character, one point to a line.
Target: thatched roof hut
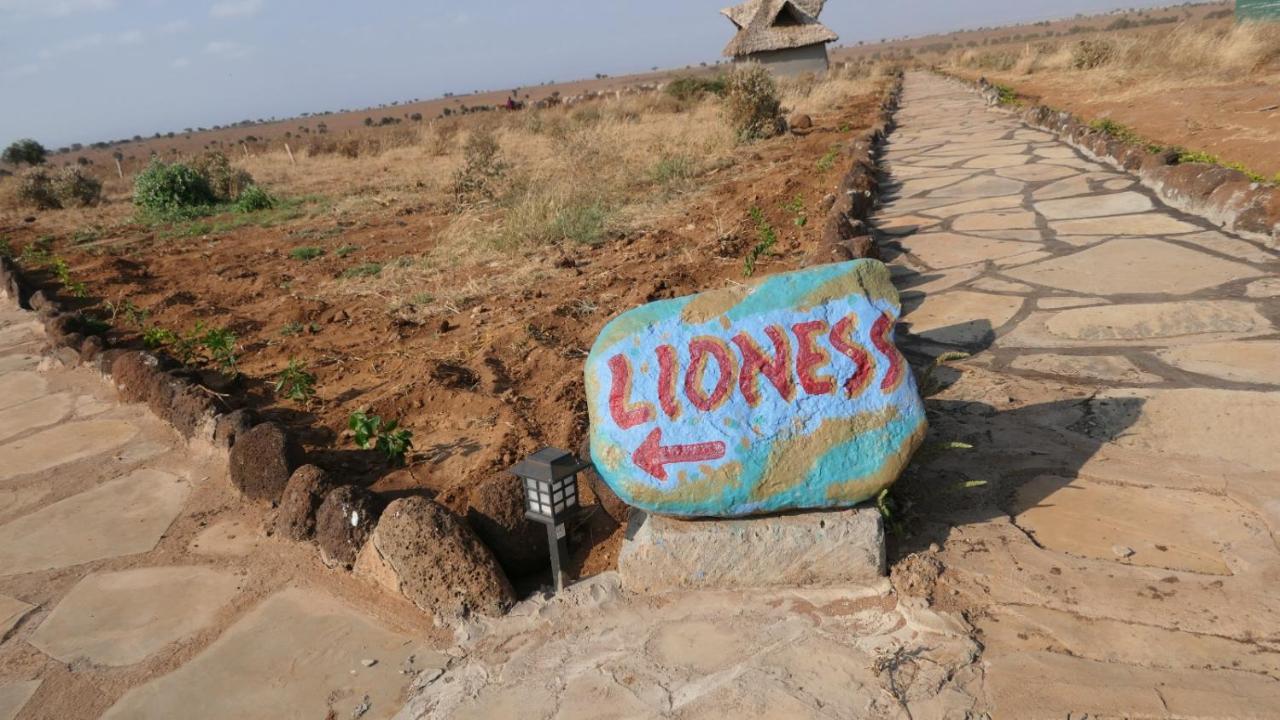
782	34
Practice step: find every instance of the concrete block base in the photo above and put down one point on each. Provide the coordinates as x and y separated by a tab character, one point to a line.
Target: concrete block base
816	549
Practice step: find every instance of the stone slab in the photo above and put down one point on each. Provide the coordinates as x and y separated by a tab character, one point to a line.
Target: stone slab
1124	203
62	444
1144	224
20	387
122	517
1134	265
1247	362
11	613
960	317
34	414
1108	368
14	696
822	549
298	654
947	250
122	618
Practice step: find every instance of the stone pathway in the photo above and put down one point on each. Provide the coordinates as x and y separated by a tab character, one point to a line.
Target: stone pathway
1123	401
1104	550
134	584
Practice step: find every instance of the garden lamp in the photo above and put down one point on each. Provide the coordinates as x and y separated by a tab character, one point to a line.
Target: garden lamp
550	481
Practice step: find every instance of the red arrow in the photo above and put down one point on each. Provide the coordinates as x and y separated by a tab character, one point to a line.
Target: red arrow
653	458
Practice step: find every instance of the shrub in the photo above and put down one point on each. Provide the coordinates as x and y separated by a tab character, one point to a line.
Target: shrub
76	188
295	383
442	137
672	169
752	102
370	432
225	181
481	169
36	188
24	151
253	199
693	88
306	253
1089	54
167	189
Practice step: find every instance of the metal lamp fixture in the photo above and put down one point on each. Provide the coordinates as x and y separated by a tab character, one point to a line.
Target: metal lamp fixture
550	481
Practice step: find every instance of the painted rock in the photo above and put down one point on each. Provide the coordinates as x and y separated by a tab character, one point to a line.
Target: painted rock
784	394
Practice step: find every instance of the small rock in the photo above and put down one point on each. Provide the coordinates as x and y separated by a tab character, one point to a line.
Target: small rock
262	460
1122	551
368	662
801	122
429	555
344	522
303	496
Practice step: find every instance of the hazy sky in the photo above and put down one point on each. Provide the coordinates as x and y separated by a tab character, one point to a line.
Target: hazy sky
86	70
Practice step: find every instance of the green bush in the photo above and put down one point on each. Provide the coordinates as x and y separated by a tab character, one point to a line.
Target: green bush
752	102
693	88
24	151
168	189
253	199
306	253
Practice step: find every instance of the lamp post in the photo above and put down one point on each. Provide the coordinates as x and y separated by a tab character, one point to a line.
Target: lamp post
550	481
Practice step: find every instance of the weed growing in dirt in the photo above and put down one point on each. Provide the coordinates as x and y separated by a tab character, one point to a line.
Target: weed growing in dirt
768	237
35	189
1006	95
63	272
362	271
295	383
690	88
131	313
752	102
1121	132
306	253
929	383
828	160
220	343
291	329
6	250
371	432
800	218
38	253
86	235
172	191
345	250
155	337
672	169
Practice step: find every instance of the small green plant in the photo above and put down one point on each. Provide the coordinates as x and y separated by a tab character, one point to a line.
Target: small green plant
363	270
768	237
930	385
893	510
345	250
796	207
156	337
306	253
828	161
132	314
1119	131
482	168
672	169
220	343
371	432
6	250
292	329
1007	95
846	127
253	199
37	253
86	235
295	383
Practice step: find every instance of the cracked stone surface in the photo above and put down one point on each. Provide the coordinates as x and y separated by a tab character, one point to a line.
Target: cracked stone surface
14	696
1118	550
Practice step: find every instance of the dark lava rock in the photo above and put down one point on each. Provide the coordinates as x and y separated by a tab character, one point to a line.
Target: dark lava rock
344	522
262	461
303	496
496	513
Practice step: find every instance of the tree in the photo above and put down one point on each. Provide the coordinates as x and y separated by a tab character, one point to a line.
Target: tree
24	151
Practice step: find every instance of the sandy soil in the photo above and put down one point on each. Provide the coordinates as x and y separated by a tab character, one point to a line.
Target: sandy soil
488	383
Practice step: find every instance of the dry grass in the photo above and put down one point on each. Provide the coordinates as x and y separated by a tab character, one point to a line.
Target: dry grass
1213	51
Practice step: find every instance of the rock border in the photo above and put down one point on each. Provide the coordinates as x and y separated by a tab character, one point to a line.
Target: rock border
1224	197
846	233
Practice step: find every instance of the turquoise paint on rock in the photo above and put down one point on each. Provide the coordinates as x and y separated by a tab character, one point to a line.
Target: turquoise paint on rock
785	394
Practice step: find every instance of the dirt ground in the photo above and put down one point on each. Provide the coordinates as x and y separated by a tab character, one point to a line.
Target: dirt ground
1239	122
485	382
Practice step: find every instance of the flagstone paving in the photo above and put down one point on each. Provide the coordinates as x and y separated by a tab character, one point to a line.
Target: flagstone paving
135	584
1116	551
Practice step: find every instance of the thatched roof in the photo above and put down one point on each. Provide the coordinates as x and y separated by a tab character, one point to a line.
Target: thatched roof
776	25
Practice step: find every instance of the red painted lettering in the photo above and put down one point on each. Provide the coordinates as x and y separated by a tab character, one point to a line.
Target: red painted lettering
667	381
842	340
626	414
700	349
755	363
882	338
811	357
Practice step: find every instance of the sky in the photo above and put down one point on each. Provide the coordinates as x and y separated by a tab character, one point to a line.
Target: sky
88	70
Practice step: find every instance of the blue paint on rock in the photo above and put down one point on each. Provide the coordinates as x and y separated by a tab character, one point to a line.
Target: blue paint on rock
785	394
